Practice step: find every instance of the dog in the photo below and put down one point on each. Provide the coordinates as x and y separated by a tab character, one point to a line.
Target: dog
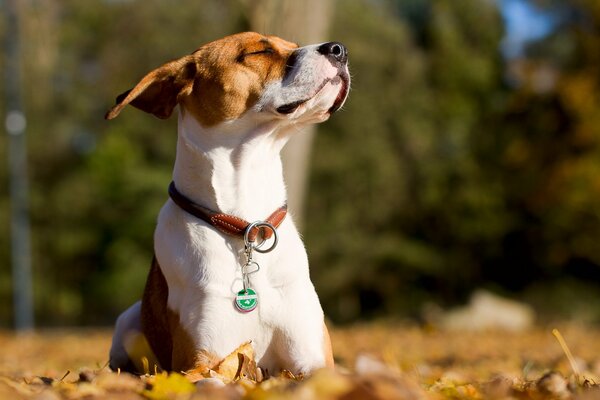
212	285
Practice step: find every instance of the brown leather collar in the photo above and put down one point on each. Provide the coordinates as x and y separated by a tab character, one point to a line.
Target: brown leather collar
226	223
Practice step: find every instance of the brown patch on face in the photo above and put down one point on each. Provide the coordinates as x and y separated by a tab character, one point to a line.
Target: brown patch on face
172	345
219	81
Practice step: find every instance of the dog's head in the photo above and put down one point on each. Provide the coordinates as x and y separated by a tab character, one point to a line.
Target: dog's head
246	73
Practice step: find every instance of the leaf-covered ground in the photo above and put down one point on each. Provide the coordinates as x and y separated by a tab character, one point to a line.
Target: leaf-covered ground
381	361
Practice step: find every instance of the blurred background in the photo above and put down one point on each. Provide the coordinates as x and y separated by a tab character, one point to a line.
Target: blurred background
467	156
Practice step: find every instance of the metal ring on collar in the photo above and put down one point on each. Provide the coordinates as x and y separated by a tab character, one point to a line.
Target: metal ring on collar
260	225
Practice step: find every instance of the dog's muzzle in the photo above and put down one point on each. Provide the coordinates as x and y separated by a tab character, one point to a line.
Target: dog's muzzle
337	54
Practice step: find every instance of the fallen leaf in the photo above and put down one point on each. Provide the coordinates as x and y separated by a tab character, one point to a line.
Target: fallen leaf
10	386
324	384
122	382
553	385
238	364
139	352
205	361
168	386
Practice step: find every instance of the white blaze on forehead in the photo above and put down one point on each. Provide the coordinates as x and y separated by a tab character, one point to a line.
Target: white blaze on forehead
310	75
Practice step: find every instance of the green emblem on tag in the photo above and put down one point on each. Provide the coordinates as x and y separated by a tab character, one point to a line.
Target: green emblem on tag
246	300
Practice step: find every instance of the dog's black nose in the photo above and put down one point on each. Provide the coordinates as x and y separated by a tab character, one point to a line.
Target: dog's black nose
335	50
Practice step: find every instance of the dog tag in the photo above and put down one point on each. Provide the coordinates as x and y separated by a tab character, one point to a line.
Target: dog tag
246	300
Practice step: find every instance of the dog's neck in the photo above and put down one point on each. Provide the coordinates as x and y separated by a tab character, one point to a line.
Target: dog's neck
233	168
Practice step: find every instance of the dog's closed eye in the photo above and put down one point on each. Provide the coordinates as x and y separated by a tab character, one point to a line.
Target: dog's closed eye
264	51
267	51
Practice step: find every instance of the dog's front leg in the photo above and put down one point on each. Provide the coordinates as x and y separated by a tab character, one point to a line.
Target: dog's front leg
211	331
303	339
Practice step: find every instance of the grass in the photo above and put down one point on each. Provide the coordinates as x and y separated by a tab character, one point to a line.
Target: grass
375	361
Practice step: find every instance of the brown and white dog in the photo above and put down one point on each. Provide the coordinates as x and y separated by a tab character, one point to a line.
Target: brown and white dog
240	99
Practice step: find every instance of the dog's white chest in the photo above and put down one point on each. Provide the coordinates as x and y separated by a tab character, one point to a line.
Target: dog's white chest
205	280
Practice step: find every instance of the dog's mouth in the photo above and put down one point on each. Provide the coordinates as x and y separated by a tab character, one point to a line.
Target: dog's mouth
342	94
342	78
290	107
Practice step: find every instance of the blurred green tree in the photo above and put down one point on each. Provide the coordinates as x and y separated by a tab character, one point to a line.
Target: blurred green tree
548	160
97	187
410	214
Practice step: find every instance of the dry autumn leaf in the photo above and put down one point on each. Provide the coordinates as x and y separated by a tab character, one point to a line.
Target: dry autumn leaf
168	386
240	363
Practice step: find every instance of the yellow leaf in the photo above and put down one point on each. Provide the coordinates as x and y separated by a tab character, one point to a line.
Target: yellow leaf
325	384
169	386
139	352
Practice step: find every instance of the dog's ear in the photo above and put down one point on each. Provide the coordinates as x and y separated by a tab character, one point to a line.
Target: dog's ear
159	91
